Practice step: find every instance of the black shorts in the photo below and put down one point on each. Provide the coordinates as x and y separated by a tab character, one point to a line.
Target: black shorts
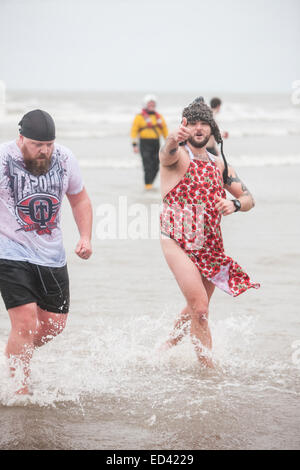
22	282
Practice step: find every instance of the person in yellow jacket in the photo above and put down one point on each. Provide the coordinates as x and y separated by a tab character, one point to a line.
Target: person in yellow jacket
147	128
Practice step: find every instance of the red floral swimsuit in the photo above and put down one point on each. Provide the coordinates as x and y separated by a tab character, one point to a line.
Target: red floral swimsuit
189	217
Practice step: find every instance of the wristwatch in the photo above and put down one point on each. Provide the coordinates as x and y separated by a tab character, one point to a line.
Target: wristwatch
237	204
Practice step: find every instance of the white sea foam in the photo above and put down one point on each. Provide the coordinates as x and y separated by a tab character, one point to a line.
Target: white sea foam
109	131
92	118
241	161
118	361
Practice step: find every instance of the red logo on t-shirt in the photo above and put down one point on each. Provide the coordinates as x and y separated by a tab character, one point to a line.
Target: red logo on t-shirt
38	212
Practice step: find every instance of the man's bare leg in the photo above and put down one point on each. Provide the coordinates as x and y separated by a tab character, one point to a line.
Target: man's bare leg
31	327
49	325
181	325
195	292
180	329
20	345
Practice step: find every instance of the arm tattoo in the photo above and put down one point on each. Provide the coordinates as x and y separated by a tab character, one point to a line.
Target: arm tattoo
236	179
171	152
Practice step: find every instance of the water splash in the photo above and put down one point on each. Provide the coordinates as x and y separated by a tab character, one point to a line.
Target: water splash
115	362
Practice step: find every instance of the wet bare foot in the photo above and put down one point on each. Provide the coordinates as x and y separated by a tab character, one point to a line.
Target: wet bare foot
206	362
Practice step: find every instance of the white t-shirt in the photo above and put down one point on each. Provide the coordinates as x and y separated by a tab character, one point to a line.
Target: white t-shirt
30	206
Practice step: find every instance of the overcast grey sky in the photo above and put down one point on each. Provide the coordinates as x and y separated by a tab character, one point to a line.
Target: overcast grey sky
157	45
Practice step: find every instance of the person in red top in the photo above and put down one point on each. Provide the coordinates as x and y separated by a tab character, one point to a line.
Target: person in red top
193	184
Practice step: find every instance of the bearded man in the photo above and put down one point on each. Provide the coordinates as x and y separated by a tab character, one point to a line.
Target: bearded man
193	184
35	174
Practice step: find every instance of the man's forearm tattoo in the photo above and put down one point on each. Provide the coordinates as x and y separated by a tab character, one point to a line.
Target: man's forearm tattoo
166	150
236	179
173	150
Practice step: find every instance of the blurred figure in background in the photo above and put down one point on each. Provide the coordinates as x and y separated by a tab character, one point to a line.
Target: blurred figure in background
215	104
147	128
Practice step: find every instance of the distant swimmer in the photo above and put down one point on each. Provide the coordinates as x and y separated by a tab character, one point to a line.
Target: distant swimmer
193	184
147	128
215	104
35	174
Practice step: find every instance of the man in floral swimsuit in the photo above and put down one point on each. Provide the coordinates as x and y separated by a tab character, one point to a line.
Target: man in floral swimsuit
193	184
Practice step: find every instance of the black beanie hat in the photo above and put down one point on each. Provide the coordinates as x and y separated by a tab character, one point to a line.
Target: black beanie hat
37	125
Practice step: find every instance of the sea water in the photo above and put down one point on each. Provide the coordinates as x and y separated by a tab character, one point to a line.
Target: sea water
101	384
